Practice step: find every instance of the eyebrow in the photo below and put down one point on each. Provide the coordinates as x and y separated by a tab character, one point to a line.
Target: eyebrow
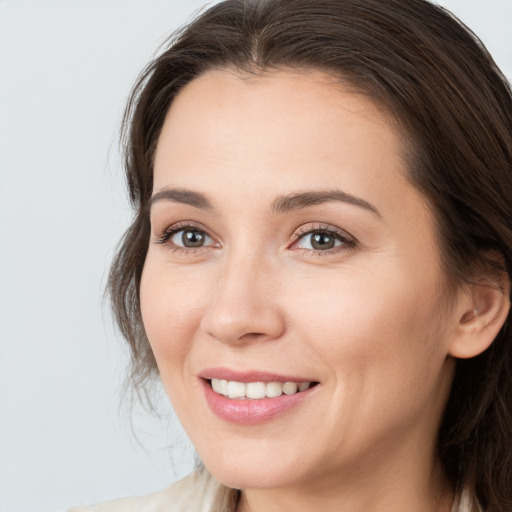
178	195
300	200
281	204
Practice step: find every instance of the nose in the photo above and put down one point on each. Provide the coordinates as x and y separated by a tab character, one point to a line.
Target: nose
244	306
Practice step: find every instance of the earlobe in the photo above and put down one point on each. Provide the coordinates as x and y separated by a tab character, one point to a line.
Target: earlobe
483	312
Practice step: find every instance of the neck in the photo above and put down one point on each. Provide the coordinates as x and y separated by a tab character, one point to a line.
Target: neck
390	488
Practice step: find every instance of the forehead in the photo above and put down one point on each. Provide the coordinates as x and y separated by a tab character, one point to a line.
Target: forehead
279	121
243	140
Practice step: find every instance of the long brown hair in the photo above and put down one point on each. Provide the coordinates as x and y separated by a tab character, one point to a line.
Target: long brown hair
454	107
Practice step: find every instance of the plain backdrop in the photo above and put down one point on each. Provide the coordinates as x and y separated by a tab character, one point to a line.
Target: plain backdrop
65	71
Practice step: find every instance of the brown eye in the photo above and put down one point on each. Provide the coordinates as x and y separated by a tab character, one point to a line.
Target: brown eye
190	238
193	238
322	241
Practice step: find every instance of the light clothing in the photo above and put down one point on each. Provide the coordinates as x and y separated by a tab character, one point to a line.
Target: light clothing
200	492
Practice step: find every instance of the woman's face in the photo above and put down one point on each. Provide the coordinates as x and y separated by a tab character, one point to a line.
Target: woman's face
287	246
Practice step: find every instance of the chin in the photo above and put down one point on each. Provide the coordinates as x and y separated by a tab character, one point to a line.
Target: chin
240	475
256	465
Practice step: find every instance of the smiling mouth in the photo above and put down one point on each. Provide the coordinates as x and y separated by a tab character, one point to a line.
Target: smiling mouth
257	390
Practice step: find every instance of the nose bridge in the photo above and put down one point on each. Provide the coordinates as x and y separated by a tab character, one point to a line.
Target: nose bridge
242	306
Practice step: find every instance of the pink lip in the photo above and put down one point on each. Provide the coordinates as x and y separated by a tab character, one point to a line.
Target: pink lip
250	412
250	376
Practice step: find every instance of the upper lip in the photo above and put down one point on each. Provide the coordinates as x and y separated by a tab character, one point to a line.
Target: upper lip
250	376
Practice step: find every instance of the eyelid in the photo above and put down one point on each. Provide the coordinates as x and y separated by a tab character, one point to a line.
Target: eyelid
170	231
348	241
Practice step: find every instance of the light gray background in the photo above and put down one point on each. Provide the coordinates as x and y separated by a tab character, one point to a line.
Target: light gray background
65	71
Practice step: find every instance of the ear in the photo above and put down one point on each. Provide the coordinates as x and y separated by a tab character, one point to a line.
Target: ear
482	309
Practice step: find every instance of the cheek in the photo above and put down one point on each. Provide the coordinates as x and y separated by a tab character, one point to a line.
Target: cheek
170	312
382	344
380	326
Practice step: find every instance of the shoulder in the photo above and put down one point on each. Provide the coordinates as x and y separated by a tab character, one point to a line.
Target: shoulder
466	502
194	493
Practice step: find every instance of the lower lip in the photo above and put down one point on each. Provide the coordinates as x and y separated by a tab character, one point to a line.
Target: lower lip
250	412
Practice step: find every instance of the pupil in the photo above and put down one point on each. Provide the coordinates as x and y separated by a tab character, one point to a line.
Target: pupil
322	241
192	238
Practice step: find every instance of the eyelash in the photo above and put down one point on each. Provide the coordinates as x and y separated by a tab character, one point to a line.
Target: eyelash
176	228
348	242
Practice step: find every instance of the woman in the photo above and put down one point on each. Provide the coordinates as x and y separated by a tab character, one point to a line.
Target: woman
319	263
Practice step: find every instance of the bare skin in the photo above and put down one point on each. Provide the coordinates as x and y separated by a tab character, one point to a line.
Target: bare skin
364	313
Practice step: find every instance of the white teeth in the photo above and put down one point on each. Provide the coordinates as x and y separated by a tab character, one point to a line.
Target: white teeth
289	388
257	390
273	389
223	386
236	389
220	386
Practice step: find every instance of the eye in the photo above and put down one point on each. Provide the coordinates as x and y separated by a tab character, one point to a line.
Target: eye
320	241
185	237
323	239
190	238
